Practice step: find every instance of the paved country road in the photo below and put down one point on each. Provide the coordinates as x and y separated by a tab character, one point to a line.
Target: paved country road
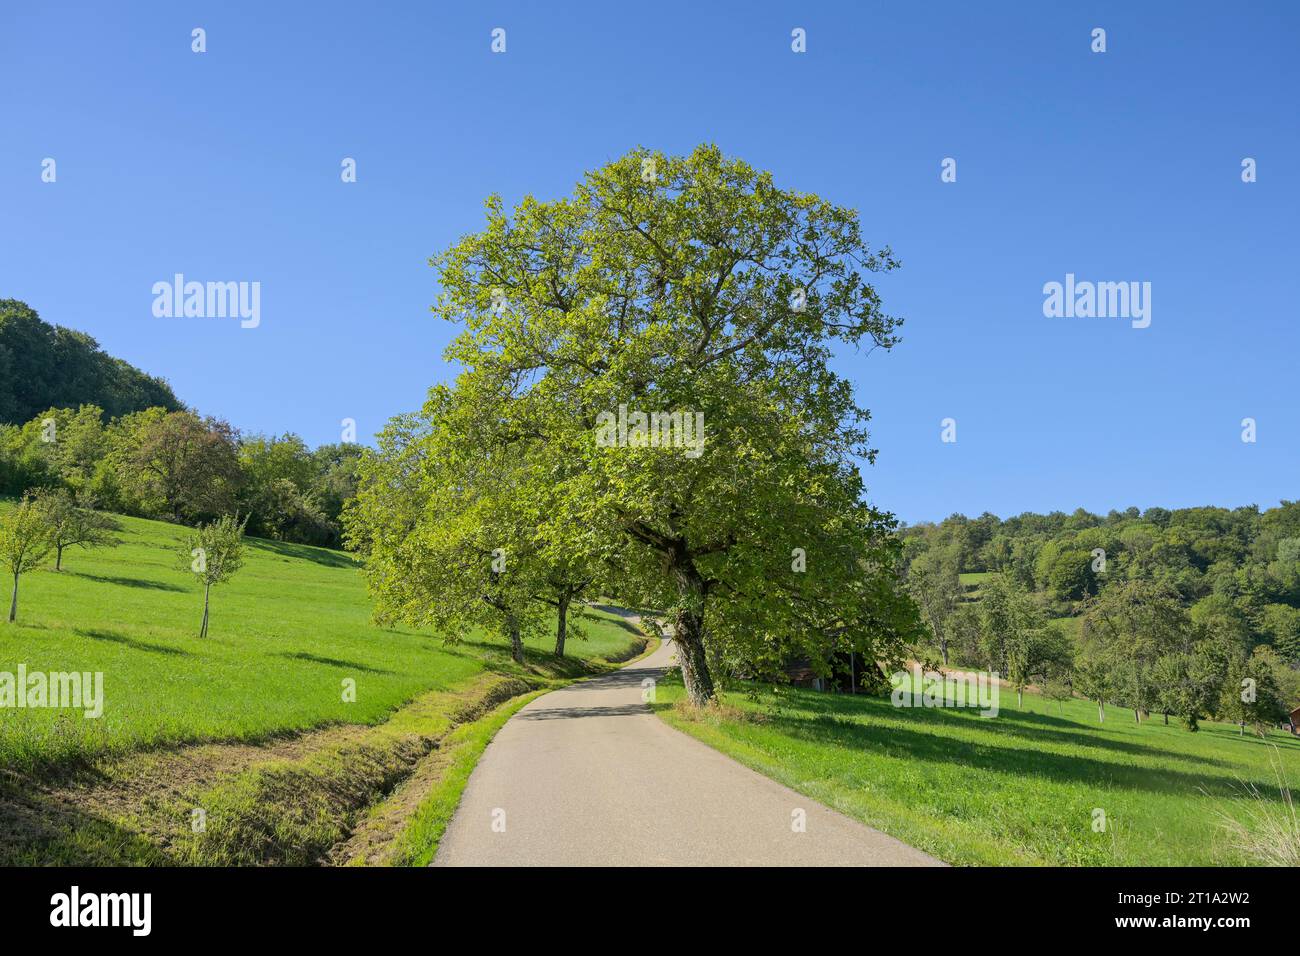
589	776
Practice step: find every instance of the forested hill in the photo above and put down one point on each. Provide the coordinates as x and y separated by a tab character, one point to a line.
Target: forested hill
1239	567
45	366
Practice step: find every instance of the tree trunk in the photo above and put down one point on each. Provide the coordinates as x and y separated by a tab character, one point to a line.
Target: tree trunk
1101	712
13	605
58	557
1166	718
1137	716
203	629
688	635
516	641
1020	697
943	648
562	624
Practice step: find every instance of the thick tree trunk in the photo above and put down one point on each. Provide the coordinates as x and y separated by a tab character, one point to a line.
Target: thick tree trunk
516	641
561	625
203	629
58	557
13	604
688	635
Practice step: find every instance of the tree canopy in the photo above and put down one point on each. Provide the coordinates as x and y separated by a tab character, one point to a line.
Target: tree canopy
667	291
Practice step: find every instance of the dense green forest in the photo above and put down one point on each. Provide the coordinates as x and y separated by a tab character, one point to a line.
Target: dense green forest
48	366
1184	612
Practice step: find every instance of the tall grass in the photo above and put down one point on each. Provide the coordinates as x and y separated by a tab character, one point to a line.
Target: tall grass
1266	830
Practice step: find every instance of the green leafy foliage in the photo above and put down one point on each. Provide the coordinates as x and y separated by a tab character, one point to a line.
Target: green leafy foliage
685	285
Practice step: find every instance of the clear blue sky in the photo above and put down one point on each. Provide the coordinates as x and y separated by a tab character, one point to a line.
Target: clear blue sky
1116	166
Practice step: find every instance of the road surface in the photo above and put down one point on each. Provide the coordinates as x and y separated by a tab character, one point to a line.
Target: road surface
588	776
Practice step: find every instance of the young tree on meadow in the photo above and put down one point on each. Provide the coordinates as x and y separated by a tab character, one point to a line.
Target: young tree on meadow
1133	624
1093	679
24	544
1058	688
1250	693
214	552
1173	688
694	286
1189	681
73	523
935	585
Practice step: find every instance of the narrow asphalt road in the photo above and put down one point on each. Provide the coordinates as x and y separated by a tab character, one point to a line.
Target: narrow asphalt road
589	776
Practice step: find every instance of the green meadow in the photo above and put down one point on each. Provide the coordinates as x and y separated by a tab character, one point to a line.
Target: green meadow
292	626
1027	787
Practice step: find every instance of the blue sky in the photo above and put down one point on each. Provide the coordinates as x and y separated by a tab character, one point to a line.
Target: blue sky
1122	166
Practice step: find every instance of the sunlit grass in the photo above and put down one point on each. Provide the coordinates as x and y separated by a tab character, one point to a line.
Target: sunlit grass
285	634
1026	787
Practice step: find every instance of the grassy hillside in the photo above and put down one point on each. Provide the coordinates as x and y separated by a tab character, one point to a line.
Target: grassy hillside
1020	788
285	633
214	723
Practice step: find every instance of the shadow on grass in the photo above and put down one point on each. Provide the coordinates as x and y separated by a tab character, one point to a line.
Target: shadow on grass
100	634
832	725
305	552
1023	724
1278	739
127	582
332	662
914	745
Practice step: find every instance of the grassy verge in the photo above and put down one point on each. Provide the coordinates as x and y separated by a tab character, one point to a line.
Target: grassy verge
1026	787
405	830
251	726
418	842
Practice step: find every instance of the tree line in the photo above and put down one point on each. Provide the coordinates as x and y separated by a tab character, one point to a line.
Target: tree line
177	466
48	366
1192	612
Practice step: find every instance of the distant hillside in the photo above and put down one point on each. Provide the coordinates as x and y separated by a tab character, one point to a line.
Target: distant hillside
45	366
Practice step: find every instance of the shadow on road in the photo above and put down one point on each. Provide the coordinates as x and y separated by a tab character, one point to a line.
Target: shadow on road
564	713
